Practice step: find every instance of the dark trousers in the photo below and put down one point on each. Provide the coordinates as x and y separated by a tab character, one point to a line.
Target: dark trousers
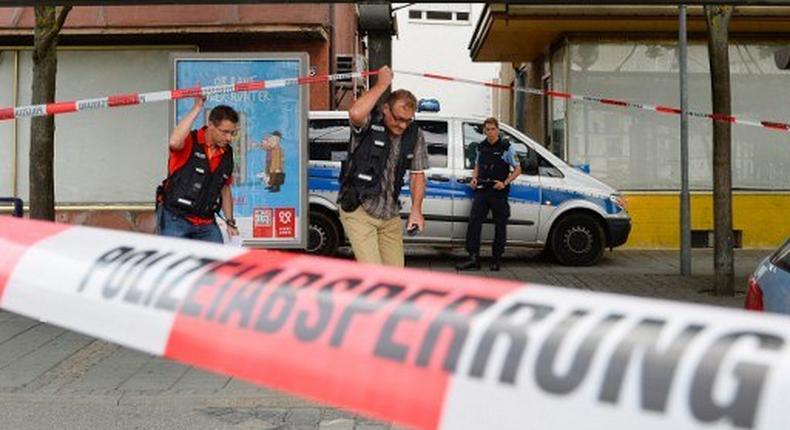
485	200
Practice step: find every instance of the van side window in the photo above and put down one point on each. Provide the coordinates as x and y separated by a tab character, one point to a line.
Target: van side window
473	134
547	169
435	133
328	139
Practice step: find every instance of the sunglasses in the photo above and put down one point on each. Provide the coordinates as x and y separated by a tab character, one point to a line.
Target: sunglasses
400	120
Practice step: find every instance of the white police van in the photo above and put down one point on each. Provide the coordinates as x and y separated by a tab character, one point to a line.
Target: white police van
552	205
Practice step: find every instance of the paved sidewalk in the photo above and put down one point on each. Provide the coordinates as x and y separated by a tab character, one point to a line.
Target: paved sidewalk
53	378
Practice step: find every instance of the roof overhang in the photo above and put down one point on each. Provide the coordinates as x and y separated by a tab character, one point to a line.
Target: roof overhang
291	31
520	33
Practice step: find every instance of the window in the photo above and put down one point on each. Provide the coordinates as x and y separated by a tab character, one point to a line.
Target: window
436	138
782	257
473	135
637	150
328	139
441	14
438	15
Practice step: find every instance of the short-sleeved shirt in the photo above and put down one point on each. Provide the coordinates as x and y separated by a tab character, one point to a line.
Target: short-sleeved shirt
178	159
386	205
510	156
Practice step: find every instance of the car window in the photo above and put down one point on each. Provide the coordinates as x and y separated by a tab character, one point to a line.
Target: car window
782	257
473	134
435	133
328	139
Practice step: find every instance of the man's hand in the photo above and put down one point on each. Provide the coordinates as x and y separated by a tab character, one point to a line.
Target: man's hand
499	185
473	183
385	76
199	102
232	231
416	218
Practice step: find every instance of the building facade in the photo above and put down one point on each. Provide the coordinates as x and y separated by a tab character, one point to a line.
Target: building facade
631	53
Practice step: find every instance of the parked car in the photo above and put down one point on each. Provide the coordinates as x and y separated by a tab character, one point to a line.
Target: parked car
553	205
769	286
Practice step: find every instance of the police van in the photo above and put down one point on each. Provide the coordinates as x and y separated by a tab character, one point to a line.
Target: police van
552	205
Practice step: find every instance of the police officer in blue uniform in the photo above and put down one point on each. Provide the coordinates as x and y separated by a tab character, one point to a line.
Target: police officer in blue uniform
495	168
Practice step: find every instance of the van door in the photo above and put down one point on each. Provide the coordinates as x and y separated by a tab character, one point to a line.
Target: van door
437	205
525	193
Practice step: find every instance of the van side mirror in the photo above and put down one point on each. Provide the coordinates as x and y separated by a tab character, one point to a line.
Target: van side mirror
529	164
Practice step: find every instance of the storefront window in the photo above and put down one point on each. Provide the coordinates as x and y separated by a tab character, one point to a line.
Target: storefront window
557	117
640	150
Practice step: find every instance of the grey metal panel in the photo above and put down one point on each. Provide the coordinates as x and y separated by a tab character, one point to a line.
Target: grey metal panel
108	155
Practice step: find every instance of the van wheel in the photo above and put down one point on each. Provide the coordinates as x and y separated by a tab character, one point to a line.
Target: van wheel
323	234
577	240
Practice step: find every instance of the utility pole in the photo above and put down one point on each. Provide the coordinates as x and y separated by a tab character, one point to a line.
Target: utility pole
685	198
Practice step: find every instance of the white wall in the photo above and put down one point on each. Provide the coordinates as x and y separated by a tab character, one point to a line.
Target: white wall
442	48
6	127
114	155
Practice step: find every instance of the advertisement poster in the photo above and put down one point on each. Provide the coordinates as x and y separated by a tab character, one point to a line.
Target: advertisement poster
270	149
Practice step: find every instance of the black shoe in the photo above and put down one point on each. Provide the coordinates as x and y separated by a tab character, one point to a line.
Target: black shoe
473	263
494	266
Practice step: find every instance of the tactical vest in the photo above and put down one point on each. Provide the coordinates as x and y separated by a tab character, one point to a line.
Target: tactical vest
194	189
490	164
362	174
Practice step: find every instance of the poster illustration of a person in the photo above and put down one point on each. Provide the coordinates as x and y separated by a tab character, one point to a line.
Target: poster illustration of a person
274	176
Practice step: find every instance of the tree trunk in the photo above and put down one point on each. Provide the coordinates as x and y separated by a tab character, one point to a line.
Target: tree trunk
718	19
42	128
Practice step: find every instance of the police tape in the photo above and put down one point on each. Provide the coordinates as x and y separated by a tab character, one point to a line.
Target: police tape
134	99
159	96
421	349
772	125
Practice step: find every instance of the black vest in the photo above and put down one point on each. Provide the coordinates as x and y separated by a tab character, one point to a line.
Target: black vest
362	175
490	165
194	189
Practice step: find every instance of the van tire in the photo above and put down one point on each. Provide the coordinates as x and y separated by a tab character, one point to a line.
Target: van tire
578	240
323	234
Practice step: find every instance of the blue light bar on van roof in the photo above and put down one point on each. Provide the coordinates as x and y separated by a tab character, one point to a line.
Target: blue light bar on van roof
428	105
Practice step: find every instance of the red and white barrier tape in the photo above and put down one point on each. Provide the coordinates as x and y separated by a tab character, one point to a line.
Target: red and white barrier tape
159	96
134	99
425	350
772	125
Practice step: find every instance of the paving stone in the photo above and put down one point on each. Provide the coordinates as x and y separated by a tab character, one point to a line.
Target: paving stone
337	424
302	416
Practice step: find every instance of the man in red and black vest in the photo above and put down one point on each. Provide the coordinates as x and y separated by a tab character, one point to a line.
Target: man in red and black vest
200	174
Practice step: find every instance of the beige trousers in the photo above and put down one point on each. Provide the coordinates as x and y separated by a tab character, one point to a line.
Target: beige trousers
375	241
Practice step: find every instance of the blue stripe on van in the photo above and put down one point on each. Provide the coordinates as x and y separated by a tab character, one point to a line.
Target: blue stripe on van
325	179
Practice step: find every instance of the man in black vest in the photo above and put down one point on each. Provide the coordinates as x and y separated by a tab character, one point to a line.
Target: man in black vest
385	143
200	174
496	167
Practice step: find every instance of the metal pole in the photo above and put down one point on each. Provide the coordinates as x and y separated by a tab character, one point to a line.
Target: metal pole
685	199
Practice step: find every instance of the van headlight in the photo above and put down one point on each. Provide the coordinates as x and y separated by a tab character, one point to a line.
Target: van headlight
619	200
